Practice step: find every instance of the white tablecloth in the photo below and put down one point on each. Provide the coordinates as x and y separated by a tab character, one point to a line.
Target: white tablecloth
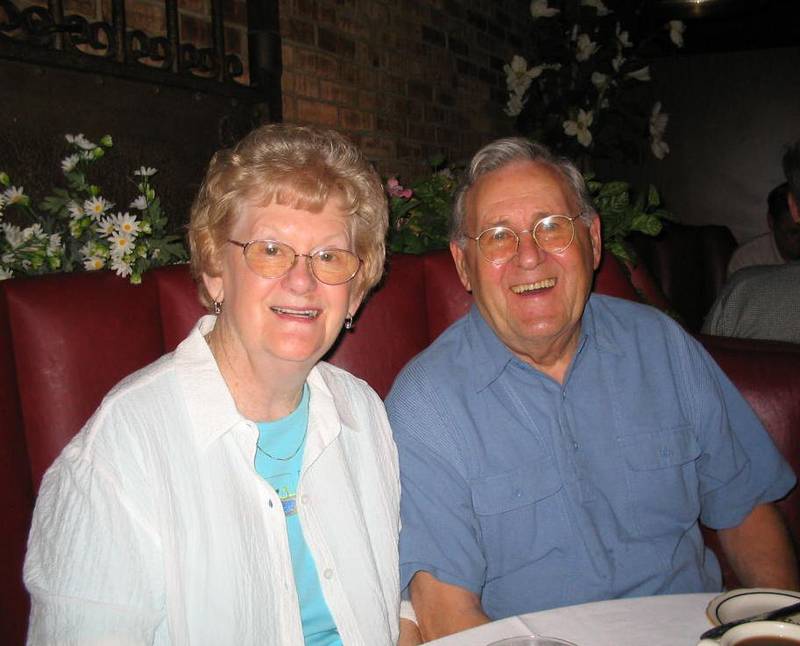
669	620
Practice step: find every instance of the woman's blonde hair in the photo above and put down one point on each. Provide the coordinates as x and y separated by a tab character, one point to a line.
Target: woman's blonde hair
299	166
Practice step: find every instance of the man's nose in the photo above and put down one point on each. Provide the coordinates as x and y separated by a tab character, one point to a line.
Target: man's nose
528	252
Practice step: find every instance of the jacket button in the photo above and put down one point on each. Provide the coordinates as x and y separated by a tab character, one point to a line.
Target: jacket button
328	573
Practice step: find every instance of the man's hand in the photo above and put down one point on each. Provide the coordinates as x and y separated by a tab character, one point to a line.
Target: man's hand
443	609
760	550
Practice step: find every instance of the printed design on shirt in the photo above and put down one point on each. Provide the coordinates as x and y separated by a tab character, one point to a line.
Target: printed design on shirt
288	500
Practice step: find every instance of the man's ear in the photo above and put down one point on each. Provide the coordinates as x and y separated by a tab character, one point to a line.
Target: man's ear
596	236
794	208
460	258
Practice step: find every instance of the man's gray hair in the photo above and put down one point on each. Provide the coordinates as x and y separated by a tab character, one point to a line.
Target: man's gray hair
501	153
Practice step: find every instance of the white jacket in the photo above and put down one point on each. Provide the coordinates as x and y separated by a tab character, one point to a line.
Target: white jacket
153	527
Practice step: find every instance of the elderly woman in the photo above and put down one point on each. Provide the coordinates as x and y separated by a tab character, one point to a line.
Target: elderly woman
238	490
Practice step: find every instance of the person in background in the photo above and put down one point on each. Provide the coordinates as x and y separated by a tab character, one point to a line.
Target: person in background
239	490
558	447
791	168
780	245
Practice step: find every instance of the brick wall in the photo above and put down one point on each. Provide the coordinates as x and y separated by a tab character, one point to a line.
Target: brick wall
406	79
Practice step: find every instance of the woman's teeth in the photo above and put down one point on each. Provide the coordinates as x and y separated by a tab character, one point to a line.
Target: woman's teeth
309	314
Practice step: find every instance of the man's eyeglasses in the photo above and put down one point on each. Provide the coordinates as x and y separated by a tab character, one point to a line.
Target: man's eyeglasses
552	234
273	259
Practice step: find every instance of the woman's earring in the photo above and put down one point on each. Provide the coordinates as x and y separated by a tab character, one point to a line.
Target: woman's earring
348	322
217	308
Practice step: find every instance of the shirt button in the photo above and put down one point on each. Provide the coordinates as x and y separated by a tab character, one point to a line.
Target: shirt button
269	502
576	446
328	573
517	493
305	499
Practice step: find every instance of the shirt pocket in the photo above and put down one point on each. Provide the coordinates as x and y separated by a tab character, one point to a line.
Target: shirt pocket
662	479
519	514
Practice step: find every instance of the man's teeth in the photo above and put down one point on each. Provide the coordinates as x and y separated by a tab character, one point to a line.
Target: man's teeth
309	314
532	287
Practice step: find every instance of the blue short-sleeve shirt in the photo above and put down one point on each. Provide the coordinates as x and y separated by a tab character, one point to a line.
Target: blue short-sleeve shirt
535	494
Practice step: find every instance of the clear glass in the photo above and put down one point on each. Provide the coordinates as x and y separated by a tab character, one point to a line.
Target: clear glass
532	640
552	234
273	259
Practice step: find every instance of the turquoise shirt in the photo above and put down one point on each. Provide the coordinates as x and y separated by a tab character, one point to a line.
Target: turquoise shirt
278	459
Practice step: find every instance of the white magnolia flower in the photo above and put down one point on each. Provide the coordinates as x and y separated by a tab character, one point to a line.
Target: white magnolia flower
145	171
14	235
580	127
140	203
600	81
5	274
539	9
514	105
658	125
127	223
69	163
676	29
80	141
96	206
93	263
601	8
517	74
122	268
121	243
622	37
642	74
585	47
15	195
617	61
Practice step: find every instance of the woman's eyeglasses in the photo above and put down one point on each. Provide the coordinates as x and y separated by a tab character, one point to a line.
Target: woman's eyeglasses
273	259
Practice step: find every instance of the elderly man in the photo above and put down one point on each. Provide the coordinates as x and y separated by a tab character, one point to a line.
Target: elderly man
556	447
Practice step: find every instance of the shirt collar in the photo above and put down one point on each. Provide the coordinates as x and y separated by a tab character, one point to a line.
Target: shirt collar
493	355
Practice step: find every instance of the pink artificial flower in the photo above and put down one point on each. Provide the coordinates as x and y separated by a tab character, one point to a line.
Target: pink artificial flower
394	189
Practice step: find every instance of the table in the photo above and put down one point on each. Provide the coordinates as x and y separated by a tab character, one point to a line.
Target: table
668	620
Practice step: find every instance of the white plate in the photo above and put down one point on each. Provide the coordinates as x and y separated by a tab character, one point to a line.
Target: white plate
746	602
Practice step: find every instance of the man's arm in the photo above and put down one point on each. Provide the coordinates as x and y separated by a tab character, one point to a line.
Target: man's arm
760	550
443	609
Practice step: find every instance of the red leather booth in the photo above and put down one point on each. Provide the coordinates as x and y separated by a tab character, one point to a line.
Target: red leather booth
66	339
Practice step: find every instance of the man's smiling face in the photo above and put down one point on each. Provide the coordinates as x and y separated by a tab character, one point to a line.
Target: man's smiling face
535	301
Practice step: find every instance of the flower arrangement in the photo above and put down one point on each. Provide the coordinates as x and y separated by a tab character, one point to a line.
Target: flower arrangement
78	228
589	90
419	215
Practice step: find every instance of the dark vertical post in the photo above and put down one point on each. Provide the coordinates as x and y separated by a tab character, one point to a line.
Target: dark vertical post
218	36
264	53
173	35
56	9
119	23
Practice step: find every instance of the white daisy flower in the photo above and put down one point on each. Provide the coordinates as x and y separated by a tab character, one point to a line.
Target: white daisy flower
585	47
5	274
121	243
13	235
96	206
540	9
15	195
75	211
145	171
676	29
140	203
642	74
88	155
7	258
122	268
69	163
54	245
128	223
80	141
107	226
93	263
33	231
580	127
